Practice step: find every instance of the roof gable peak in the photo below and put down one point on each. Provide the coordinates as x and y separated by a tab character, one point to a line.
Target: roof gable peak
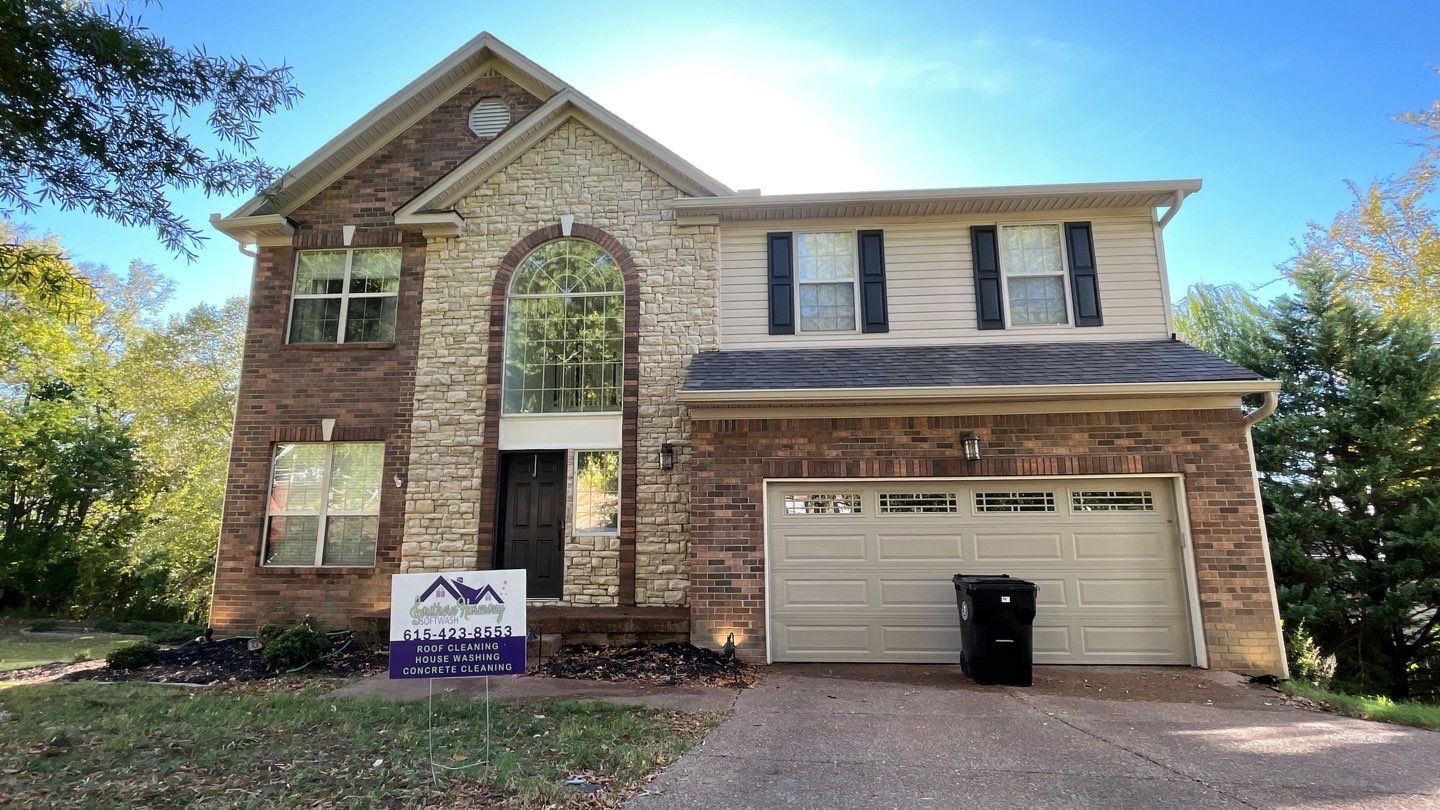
484	52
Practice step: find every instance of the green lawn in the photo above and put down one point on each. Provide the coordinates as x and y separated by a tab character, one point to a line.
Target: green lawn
143	744
1405	713
19	651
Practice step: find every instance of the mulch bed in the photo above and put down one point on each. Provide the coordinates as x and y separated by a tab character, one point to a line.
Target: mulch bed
231	660
670	664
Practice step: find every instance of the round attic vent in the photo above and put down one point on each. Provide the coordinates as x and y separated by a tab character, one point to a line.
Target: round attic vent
489	116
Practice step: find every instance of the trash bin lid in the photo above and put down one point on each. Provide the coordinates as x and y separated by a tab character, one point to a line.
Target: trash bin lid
977	582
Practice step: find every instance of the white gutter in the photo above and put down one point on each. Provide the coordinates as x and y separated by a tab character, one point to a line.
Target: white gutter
1157	187
1272	401
1180	195
975	392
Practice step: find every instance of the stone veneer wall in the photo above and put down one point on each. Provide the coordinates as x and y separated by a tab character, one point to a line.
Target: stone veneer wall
572	171
734	457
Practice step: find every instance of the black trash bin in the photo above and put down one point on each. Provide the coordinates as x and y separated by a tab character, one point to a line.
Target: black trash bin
996	614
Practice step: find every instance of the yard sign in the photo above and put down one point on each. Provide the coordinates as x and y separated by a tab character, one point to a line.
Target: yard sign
461	624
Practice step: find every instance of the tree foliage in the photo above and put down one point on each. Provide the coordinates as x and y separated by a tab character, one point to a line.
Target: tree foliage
1387	244
114	431
96	108
1349	466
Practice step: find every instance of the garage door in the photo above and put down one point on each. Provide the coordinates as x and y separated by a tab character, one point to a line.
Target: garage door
860	571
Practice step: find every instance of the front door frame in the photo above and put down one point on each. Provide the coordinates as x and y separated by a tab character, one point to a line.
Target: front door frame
498	556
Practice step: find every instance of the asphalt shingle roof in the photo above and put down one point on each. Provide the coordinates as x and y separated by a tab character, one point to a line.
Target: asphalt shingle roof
1068	363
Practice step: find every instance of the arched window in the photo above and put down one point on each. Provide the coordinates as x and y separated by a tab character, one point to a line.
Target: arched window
565	331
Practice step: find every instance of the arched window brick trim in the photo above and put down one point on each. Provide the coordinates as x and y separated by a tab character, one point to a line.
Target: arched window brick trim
629	395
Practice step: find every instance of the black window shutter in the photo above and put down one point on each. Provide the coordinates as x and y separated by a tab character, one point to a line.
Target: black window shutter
989	297
1084	282
778	253
874	317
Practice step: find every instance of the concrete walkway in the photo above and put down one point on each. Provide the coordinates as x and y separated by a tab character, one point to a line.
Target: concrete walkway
881	737
535	687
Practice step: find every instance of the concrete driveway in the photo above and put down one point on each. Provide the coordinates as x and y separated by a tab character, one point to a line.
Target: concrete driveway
910	736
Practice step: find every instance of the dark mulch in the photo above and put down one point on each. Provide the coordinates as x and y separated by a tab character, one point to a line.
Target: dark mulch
671	663
231	660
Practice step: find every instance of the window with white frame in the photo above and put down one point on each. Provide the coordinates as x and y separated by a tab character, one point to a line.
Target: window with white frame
324	505
1034	266
826	276
597	491
345	296
565	331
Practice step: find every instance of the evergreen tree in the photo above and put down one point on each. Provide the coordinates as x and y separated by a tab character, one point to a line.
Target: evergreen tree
1348	467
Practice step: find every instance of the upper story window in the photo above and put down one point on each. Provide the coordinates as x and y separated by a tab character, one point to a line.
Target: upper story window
1034	268
825	269
324	504
345	296
565	331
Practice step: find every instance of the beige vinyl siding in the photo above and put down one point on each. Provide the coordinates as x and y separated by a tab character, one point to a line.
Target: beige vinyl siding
931	289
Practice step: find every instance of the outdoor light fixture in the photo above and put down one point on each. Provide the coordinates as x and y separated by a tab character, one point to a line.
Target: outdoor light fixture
730	646
667	456
972	447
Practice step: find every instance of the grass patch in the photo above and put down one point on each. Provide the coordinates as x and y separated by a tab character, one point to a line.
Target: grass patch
142	744
19	652
1383	709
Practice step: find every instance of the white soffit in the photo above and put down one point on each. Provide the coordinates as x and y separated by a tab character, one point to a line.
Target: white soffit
937	201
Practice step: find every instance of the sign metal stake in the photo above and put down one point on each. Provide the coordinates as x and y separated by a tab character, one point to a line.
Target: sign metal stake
467	624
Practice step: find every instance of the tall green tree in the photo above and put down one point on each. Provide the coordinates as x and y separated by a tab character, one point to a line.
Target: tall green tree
1349	466
114	432
100	116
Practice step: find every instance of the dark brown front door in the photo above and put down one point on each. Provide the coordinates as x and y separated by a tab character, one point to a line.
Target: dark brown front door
533	524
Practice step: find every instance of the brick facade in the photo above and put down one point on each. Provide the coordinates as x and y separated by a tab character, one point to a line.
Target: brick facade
285	391
732	457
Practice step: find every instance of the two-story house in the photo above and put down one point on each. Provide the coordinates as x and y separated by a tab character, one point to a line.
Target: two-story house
493	325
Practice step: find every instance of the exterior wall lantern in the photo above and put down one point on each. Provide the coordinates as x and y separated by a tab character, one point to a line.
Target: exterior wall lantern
667	456
972	447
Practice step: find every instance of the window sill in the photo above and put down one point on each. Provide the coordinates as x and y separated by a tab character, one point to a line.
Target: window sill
331	347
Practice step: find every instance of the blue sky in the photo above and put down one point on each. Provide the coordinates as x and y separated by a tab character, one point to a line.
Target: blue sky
1273	105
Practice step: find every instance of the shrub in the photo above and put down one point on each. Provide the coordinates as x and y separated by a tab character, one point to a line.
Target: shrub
268	633
43	625
1307	662
295	647
134	656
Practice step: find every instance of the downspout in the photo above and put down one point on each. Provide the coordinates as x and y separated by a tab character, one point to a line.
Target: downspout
1174	209
215	575
1272	400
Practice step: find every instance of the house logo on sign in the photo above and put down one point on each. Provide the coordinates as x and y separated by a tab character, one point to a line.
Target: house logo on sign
462	593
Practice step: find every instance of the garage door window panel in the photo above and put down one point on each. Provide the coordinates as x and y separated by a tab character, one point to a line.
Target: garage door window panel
828	504
1138	500
917	503
1010	502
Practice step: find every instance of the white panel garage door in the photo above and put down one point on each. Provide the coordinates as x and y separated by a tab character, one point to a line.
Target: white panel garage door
860	571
